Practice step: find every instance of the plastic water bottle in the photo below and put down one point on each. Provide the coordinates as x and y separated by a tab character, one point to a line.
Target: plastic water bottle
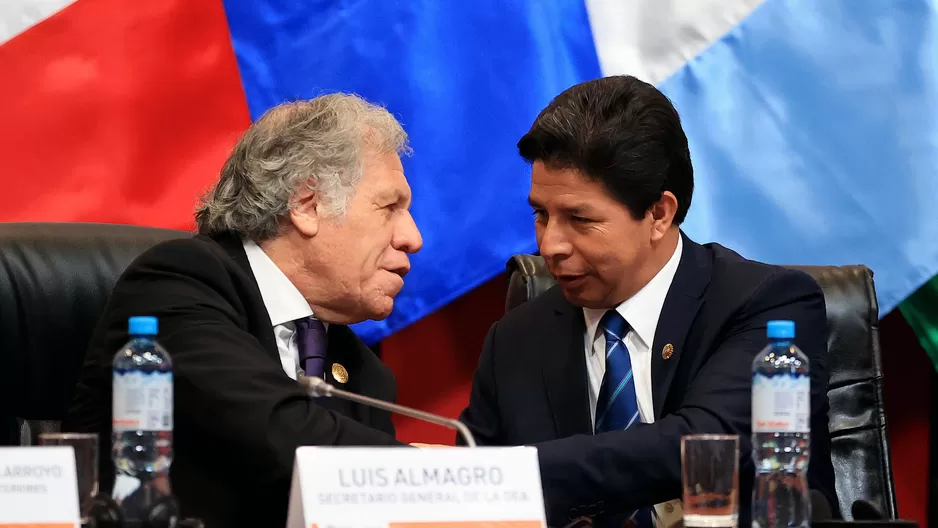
781	418
142	423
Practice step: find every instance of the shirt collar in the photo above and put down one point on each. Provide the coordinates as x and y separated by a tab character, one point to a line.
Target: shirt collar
643	309
283	301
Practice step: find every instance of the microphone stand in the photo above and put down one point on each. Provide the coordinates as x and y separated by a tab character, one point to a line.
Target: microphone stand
319	388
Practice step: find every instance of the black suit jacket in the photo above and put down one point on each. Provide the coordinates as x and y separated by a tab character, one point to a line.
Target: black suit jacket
238	417
531	385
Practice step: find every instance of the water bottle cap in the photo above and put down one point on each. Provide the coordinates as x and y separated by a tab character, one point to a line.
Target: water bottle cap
780	330
143	325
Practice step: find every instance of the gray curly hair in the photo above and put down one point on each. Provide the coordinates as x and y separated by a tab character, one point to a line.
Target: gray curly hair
318	143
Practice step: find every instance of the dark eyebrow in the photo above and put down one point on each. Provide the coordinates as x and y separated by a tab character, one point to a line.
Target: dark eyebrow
573	210
577	210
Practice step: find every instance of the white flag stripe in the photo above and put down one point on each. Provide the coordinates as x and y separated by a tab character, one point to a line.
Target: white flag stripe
651	39
16	16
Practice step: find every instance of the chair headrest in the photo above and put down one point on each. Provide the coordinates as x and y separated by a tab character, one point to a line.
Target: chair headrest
527	278
852	319
55	279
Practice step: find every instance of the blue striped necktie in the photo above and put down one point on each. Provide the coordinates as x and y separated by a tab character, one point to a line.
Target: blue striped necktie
617	406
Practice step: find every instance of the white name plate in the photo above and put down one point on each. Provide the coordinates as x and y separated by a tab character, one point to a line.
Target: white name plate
38	487
398	487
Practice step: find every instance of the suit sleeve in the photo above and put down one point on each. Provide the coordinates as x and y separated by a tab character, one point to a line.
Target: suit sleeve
227	387
619	471
481	416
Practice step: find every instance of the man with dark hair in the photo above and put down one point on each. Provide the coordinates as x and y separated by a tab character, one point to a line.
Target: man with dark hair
648	336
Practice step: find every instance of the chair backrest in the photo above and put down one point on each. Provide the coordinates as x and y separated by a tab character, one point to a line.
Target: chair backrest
859	441
55	279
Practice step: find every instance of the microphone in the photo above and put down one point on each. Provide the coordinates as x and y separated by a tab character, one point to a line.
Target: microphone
320	388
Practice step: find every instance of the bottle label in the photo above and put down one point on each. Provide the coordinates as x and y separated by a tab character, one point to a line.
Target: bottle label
142	401
781	403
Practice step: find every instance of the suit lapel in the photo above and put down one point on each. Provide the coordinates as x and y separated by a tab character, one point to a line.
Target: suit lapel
564	371
259	320
677	314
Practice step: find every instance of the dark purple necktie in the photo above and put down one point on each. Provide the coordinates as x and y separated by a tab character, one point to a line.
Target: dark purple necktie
311	342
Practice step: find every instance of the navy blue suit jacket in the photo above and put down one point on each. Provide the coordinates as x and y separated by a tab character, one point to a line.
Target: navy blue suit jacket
531	385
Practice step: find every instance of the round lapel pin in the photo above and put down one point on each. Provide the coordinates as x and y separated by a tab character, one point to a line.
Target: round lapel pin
667	351
339	373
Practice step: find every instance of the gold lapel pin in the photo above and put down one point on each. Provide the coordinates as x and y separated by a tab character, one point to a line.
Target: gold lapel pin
667	351
339	373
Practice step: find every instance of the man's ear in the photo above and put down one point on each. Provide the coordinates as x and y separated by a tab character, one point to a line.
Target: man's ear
662	214
303	212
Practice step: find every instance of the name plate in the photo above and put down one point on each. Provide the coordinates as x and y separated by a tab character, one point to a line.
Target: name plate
38	487
397	487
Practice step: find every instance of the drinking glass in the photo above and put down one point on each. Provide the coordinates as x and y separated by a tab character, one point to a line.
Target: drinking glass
85	446
710	475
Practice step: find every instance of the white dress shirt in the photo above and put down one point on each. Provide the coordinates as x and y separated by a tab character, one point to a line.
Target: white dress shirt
641	312
284	304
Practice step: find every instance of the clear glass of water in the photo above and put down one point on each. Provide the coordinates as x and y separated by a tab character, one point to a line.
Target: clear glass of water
85	446
710	475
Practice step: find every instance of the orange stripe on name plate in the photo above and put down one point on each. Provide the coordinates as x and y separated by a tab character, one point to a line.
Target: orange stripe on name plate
37	525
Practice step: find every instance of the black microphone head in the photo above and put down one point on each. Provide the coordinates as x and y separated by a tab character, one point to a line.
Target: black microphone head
820	507
865	511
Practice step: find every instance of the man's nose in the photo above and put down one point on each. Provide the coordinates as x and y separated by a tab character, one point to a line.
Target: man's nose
407	237
552	242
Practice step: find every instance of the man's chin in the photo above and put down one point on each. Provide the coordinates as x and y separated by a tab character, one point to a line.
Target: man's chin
381	309
581	299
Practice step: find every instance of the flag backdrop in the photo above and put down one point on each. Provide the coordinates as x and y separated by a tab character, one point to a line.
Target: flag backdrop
813	126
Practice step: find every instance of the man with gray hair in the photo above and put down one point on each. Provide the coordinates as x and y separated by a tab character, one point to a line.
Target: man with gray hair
306	231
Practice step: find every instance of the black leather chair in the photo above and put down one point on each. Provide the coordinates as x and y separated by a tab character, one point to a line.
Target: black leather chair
860	444
55	279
